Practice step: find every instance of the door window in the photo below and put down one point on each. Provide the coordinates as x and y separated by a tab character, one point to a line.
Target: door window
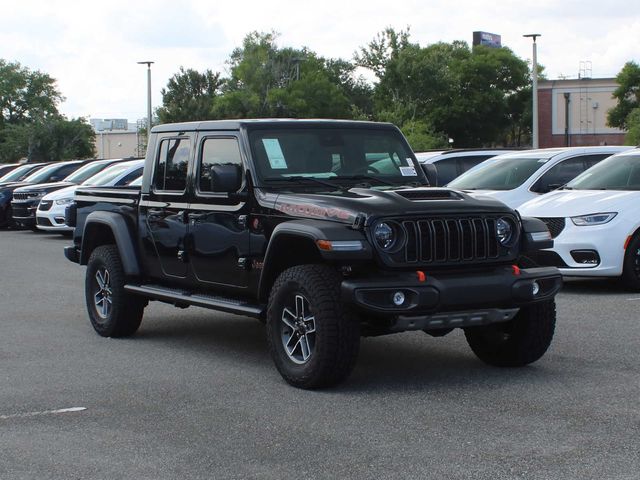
216	151
559	174
171	168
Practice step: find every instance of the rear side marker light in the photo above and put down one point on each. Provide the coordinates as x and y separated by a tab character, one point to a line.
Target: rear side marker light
627	242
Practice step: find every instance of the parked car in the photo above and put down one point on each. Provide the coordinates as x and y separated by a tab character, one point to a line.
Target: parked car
595	220
20	173
515	178
451	164
27	198
293	222
51	209
6	189
24	204
6	168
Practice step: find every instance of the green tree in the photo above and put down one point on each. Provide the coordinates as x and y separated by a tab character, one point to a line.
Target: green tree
633	128
25	95
627	94
189	96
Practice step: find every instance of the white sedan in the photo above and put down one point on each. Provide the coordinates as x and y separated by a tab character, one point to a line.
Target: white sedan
595	221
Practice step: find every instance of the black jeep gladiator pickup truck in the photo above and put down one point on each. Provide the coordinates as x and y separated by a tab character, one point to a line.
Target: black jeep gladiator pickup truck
324	230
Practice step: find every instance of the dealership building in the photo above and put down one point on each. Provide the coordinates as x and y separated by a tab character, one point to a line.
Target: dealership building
574	112
116	138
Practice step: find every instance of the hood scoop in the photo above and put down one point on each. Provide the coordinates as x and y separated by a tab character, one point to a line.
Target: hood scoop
429	194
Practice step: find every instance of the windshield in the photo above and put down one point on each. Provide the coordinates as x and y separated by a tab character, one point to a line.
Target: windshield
17	174
614	173
44	173
335	155
504	173
106	176
137	182
85	172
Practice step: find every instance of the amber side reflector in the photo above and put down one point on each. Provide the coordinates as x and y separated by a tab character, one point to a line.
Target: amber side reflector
516	269
627	242
421	276
324	245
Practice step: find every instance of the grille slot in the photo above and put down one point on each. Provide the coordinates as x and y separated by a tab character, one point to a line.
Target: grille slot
555	225
449	240
20	196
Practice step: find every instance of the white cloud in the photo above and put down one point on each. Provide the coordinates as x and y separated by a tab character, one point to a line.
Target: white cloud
92	47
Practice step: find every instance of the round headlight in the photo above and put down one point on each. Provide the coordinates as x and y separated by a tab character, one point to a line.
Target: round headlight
384	235
504	231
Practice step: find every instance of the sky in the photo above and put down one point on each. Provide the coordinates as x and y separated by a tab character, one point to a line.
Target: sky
92	48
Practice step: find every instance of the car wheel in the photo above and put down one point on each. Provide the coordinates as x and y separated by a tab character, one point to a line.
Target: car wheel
313	341
631	266
112	311
518	342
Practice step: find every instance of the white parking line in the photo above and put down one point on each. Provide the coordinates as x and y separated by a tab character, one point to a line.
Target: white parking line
44	412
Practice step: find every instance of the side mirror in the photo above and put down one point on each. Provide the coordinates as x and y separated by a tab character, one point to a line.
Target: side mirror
226	178
431	172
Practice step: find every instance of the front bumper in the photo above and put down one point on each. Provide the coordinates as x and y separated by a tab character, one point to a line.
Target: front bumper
52	219
24	212
447	300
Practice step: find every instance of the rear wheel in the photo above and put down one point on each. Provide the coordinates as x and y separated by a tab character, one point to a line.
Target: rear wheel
112	311
517	342
631	265
313	341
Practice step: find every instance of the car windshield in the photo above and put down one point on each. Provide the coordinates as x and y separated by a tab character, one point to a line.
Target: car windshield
106	176
505	173
17	174
620	172
44	173
137	182
333	156
85	172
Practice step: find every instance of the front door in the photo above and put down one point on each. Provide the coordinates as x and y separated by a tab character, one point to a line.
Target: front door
164	208
218	222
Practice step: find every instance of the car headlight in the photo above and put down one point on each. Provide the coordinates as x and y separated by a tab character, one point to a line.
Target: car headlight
388	235
505	231
593	219
64	201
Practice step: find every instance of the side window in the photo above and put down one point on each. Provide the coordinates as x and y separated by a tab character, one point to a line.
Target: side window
591	160
466	163
127	179
559	174
447	170
216	151
65	171
171	170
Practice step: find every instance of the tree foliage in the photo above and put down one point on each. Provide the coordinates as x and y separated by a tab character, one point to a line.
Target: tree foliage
633	127
627	94
30	124
189	96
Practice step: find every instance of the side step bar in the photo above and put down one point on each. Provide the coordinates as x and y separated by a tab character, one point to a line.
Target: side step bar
176	296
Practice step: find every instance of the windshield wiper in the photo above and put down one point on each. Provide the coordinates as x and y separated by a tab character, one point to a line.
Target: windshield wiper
300	178
366	177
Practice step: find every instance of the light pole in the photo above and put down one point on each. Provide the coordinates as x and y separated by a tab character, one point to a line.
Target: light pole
534	77
148	64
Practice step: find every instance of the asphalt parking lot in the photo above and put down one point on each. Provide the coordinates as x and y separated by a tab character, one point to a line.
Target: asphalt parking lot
195	395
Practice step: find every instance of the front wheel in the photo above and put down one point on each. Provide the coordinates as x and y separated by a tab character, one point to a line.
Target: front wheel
112	311
313	341
518	342
631	266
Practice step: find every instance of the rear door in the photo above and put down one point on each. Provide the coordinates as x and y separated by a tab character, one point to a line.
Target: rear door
218	222
164	209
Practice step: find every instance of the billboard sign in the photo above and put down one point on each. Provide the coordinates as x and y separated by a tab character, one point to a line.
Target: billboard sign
488	39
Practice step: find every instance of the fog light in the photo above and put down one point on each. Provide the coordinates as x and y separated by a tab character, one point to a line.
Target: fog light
398	299
535	288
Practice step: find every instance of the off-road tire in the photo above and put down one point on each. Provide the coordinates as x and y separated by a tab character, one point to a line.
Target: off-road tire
336	339
124	312
518	342
631	265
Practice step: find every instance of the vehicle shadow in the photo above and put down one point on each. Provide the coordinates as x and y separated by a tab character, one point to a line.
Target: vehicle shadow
406	362
594	286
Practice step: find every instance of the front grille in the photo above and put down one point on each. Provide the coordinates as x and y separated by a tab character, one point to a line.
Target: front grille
449	240
555	225
45	222
20	196
45	205
20	212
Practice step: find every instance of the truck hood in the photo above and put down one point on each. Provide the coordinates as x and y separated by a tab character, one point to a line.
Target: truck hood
571	203
43	187
346	206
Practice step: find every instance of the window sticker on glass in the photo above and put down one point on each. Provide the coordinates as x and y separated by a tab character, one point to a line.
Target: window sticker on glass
408	172
274	153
